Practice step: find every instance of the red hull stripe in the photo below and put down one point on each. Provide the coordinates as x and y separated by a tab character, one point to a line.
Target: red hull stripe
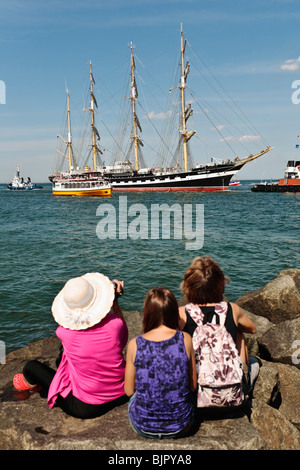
169	190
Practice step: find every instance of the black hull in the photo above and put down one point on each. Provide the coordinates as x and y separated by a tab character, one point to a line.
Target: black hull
276	188
211	178
207	178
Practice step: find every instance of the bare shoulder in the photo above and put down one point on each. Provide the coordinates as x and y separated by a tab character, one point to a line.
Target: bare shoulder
244	323
182	311
182	317
187	343
187	338
236	309
131	348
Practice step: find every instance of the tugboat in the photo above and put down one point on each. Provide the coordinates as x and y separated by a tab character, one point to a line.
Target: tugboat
290	182
18	183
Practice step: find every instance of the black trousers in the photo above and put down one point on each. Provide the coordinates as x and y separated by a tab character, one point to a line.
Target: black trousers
36	372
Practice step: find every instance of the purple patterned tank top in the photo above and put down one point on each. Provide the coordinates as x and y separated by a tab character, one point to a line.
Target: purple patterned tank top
162	400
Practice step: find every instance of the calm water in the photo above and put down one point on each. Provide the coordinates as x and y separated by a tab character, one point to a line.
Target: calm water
45	240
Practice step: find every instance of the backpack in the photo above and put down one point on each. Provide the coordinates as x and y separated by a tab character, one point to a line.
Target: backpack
219	366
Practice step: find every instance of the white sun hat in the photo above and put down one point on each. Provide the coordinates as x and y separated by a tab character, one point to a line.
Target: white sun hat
84	301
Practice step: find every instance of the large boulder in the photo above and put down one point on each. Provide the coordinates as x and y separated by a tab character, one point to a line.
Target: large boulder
281	343
278	300
270	420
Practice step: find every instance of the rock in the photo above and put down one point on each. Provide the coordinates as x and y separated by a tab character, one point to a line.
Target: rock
262	325
276	430
281	343
271	420
278	300
289	388
267	385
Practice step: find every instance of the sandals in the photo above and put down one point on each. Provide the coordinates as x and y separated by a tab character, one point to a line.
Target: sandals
20	384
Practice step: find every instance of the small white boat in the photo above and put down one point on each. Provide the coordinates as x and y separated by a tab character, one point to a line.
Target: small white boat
19	184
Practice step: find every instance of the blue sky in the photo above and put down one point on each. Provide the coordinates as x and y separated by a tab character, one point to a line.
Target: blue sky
252	48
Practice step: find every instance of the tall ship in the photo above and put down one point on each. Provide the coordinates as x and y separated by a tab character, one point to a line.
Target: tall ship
181	174
76	181
178	172
290	183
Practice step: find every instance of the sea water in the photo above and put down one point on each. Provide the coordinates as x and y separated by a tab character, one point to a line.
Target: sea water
45	240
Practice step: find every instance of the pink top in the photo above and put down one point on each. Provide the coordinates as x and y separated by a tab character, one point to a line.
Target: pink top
92	364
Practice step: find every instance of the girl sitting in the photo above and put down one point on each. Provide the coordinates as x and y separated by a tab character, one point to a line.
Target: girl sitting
160	371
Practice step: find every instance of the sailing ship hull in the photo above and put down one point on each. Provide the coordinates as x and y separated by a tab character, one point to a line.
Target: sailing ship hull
210	179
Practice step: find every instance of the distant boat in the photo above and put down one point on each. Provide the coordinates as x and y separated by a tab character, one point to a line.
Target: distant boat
234	183
19	184
290	183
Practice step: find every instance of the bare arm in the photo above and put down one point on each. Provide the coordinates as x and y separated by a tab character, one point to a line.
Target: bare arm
244	324
192	363
116	307
182	318
129	385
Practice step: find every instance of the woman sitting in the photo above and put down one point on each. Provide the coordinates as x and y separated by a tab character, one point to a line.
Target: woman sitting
204	285
89	380
160	371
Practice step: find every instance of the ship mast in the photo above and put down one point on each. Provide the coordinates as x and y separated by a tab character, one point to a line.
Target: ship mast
69	141
95	133
134	95
186	112
69	132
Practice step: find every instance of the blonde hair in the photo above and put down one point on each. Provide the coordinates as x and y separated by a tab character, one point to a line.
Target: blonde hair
204	281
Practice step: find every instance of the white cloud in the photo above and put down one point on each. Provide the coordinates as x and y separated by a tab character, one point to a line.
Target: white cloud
291	64
249	138
153	115
243	138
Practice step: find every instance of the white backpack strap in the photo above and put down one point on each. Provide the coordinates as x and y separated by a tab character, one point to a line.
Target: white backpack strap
221	309
198	316
195	313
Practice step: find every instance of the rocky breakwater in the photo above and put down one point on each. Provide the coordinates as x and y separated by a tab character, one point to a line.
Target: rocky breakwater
271	421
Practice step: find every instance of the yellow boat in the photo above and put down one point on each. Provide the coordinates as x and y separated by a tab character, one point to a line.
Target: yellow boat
80	185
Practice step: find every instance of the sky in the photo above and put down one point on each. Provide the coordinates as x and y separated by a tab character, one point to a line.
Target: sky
250	48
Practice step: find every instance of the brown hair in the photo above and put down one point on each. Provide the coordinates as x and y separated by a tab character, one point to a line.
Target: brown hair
204	281
160	308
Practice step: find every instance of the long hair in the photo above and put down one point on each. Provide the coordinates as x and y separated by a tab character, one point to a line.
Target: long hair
204	281
160	308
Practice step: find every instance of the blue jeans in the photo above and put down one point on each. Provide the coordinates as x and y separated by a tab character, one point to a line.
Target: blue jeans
158	435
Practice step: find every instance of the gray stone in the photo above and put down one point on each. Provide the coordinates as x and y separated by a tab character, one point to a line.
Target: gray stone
27	423
278	300
281	343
